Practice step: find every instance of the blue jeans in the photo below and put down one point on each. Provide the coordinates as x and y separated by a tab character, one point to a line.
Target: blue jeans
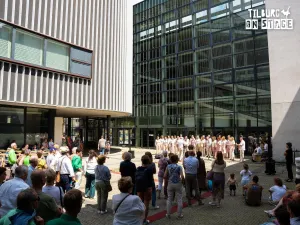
153	196
65	182
90	185
102	150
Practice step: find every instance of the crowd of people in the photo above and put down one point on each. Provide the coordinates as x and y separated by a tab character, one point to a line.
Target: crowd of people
44	190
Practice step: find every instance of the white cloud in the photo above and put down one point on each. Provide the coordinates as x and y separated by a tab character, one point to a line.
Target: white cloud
135	1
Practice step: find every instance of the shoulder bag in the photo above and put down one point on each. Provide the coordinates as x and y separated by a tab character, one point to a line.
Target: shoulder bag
121	203
57	180
210	174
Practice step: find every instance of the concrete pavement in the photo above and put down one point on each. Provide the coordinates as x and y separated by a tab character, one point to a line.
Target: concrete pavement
232	210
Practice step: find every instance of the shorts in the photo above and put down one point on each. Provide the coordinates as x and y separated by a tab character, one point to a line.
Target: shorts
232	187
145	196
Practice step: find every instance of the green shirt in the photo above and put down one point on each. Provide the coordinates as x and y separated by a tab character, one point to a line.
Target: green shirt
26	160
47	208
64	220
76	163
12	158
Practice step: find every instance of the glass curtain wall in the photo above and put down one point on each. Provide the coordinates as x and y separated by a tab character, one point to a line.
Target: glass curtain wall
198	71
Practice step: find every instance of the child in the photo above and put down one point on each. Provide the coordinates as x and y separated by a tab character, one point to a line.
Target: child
232	184
246	174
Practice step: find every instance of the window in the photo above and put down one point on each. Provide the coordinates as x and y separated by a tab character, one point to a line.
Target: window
28	48
219	11
41	50
57	56
5	40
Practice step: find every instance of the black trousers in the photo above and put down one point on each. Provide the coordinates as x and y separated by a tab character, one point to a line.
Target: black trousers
289	169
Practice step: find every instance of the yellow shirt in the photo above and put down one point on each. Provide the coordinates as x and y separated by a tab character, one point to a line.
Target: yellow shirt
41	164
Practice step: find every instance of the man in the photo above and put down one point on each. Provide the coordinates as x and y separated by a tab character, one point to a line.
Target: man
257	154
289	161
72	205
12	158
10	190
294	211
32	166
27	203
47	208
191	165
101	145
208	146
77	167
50	158
64	167
242	148
143	180
253	192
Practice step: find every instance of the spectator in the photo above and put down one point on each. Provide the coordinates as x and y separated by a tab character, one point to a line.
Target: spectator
101	145
90	165
73	153
50	159
191	165
41	161
282	217
102	176
47	208
65	169
256	156
128	209
253	192
72	204
2	175
201	173
45	144
128	168
289	161
12	158
11	188
51	143
143	179
24	159
55	192
218	167
294	211
277	191
153	167
33	164
27	203
162	165
176	177
77	167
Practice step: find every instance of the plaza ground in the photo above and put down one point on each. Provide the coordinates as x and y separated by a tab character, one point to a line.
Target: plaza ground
232	211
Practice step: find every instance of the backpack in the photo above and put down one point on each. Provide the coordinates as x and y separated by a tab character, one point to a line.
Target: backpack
140	179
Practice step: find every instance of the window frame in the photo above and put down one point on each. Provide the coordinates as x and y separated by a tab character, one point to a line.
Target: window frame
45	39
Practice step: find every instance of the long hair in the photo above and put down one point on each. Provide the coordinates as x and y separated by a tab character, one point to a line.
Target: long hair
219	159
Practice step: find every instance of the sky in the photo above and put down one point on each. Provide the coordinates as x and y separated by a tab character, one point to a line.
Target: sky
135	1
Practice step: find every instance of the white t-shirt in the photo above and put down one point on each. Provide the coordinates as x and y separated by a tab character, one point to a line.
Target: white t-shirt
54	192
277	192
180	143
242	145
246	174
266	147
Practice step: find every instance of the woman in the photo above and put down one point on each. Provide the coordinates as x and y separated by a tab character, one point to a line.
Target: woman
175	174
223	147
218	166
152	165
128	209
162	165
2	175
107	147
231	148
128	168
157	145
277	191
102	176
90	165
51	143
45	144
201	173
41	161
54	191
289	161
24	158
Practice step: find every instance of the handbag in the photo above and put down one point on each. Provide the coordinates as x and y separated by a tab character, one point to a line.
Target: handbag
210	174
108	186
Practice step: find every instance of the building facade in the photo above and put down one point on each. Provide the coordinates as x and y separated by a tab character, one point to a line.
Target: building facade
197	70
62	59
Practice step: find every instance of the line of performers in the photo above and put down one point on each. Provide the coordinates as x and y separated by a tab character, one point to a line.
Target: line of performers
209	146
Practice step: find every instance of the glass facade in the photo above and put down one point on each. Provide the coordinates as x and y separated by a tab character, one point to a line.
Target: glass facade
25	125
198	71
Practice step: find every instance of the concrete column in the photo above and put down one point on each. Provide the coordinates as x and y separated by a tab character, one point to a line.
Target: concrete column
58	129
